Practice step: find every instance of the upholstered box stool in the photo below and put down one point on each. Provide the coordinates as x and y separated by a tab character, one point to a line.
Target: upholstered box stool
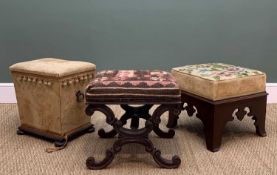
49	95
219	92
126	88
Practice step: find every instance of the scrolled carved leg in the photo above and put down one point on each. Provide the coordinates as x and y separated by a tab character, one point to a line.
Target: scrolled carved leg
110	154
106	134
97	165
133	113
110	118
127	136
172	120
110	134
156	118
156	153
142	138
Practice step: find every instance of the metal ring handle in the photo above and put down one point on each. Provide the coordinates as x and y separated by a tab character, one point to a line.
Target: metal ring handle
80	96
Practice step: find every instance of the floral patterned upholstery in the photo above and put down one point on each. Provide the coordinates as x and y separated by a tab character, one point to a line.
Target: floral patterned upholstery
217	71
120	85
217	81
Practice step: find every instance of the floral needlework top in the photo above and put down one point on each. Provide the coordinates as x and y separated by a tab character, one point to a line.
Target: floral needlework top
134	79
217	71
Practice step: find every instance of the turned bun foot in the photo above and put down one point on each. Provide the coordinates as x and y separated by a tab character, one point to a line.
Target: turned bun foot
60	143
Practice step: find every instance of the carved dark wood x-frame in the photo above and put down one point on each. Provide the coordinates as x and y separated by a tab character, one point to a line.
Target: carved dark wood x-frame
215	114
134	135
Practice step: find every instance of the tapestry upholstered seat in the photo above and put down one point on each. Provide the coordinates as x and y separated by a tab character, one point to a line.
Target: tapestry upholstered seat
218	81
218	91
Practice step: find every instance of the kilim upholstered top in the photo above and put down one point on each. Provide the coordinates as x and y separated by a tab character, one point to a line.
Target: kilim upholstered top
217	81
133	86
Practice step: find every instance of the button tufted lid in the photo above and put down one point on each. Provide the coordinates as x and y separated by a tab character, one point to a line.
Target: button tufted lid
52	67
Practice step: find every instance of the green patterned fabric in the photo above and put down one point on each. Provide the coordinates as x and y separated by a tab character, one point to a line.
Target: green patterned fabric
217	71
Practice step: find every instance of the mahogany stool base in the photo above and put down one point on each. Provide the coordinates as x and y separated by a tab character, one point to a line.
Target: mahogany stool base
215	114
134	135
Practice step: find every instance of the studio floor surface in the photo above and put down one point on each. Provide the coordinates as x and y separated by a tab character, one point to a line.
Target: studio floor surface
242	151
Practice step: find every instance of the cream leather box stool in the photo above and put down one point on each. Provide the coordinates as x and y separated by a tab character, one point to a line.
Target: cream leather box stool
219	92
49	95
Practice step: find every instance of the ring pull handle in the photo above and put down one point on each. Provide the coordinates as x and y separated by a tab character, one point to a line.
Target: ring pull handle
80	96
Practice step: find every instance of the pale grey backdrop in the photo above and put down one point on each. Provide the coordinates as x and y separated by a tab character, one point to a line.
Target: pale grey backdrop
140	34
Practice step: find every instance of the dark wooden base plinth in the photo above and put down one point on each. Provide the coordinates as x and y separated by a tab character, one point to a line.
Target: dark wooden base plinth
59	140
134	135
215	114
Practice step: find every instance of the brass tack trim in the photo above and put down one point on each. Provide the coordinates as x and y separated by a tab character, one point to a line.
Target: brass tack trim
66	82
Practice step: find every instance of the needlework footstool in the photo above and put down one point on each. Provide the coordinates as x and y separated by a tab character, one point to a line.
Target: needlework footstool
219	92
50	98
126	88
